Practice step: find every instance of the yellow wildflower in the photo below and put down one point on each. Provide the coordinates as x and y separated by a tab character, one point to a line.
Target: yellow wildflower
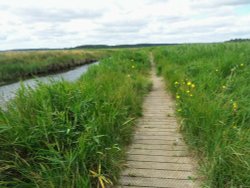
176	83
193	86
191	95
235	106
242	65
223	87
177	96
188	91
189	83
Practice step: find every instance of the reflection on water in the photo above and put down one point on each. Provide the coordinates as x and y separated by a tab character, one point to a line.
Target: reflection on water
8	91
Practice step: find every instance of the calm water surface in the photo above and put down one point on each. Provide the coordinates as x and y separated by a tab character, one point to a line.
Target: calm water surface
7	92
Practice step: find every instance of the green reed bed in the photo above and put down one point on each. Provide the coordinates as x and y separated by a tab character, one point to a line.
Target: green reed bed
18	65
211	86
73	134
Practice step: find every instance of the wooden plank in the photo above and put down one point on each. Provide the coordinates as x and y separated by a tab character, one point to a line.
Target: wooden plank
156	129
157	137
159	159
159	133
151	126
160	166
158	152
159	142
159	147
151	173
156	182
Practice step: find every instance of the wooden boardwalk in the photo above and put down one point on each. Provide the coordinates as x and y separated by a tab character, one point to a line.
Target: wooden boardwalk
158	156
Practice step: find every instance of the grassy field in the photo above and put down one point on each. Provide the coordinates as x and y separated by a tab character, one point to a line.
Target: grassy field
73	134
19	65
211	85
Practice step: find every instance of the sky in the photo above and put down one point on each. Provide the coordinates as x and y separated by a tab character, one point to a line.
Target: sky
63	23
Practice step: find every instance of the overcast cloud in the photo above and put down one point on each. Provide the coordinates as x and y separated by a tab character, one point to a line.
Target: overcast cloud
61	23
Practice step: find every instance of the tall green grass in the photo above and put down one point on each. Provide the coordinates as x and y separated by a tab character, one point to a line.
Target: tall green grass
73	134
18	65
211	85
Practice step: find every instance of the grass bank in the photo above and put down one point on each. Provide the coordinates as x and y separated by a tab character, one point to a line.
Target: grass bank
73	134
211	86
20	65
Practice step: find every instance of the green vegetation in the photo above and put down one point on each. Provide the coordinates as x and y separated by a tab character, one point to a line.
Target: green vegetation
17	65
73	134
211	86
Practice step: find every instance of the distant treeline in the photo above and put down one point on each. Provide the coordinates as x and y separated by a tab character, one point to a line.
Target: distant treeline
97	46
238	40
103	46
121	46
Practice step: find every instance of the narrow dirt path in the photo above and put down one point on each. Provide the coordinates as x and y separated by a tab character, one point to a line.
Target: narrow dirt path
158	156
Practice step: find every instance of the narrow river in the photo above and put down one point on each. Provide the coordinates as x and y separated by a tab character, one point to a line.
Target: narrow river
7	92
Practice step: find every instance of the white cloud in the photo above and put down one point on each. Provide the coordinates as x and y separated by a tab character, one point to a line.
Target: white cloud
61	23
55	15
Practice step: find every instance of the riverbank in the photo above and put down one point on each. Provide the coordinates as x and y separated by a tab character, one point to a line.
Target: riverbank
73	134
15	66
7	92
